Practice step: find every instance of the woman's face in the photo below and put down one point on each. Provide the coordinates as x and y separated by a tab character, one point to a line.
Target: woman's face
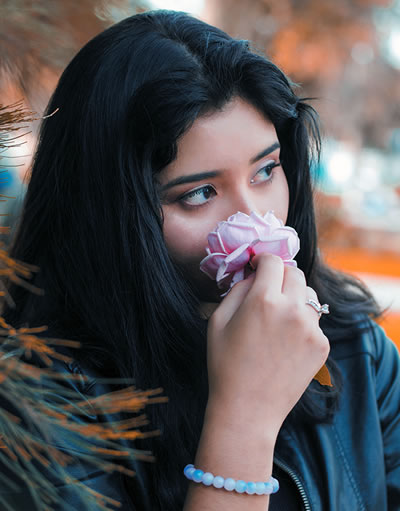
226	162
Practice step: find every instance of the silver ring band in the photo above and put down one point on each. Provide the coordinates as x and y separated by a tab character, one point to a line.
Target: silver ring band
321	309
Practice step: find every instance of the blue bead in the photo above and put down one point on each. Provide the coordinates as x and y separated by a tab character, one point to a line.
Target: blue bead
269	488
218	482
229	484
275	485
187	468
250	488
189	472
240	486
207	479
197	475
260	488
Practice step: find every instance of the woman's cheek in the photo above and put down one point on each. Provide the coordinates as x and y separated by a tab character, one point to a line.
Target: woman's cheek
185	240
185	251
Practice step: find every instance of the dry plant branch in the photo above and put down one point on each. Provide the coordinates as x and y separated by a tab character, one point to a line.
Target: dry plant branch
40	406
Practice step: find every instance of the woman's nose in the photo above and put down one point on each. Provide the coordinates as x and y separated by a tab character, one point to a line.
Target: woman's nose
244	203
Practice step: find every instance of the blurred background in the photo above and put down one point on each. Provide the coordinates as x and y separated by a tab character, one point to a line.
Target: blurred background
343	53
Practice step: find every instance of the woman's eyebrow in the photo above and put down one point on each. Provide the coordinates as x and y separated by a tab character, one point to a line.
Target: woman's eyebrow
265	152
193	178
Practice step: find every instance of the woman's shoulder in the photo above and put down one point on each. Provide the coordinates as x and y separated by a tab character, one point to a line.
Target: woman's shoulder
371	360
369	338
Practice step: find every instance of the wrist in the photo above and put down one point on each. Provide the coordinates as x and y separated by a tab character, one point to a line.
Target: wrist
239	486
238	420
233	446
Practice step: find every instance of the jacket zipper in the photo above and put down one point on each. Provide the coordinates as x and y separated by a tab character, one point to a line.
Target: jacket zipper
297	482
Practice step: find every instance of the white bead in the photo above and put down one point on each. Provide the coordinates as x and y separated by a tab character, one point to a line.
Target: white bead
207	479
229	484
218	482
260	488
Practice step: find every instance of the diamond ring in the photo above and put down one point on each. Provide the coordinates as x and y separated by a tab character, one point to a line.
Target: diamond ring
321	309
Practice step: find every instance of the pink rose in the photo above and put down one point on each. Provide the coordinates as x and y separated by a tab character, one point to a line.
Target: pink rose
235	241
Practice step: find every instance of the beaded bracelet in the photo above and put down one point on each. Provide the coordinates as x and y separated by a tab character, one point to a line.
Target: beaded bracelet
208	479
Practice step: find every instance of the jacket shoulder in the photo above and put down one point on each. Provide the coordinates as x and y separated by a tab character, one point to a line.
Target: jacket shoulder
376	361
370	339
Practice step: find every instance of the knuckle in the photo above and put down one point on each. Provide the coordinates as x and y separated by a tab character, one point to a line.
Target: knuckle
300	273
311	292
326	347
322	344
263	300
276	260
297	312
295	273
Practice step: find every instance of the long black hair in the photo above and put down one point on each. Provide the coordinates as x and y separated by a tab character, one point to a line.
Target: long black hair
92	218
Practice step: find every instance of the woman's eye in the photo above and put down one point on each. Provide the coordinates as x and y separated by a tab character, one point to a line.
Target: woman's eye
266	172
199	196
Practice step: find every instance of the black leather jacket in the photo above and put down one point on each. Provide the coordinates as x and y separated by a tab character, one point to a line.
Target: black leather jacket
352	464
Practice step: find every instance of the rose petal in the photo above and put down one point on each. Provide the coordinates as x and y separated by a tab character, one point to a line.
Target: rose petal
239	217
234	241
237	277
237	259
286	229
210	264
272	220
221	275
286	252
215	242
263	229
291	234
277	247
259	221
234	262
248	273
285	245
235	235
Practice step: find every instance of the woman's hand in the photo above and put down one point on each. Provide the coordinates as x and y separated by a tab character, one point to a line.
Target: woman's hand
265	344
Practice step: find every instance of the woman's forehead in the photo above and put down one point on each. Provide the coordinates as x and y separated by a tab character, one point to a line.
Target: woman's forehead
221	137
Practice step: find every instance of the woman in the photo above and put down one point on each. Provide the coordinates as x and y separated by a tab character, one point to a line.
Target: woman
166	126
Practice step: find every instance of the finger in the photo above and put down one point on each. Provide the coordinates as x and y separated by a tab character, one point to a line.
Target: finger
313	297
311	294
294	284
269	275
233	300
